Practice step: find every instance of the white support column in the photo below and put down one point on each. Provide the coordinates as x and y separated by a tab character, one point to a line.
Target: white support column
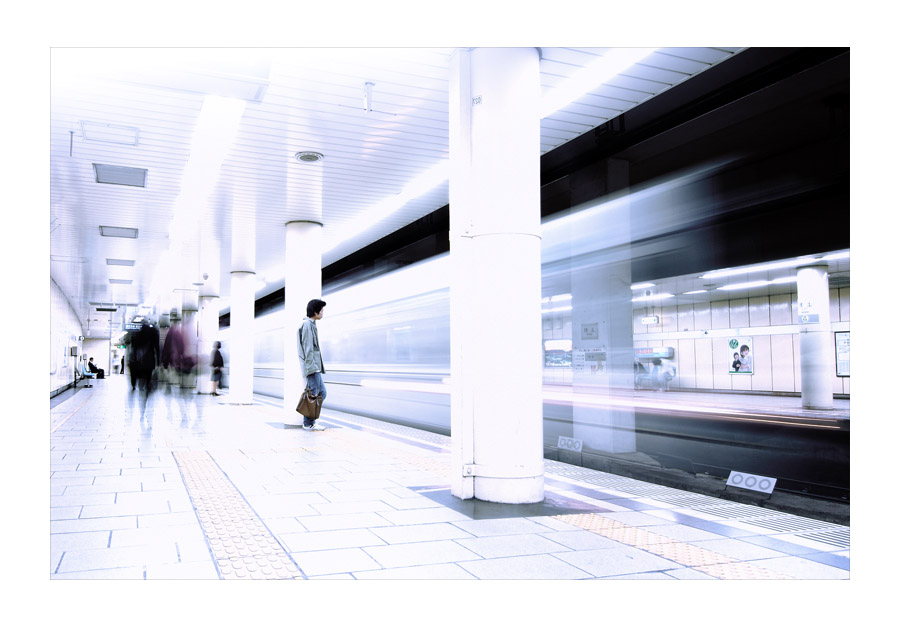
240	369
601	302
302	283
816	345
495	292
243	299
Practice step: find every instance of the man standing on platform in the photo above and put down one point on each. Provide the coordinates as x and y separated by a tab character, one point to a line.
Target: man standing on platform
311	356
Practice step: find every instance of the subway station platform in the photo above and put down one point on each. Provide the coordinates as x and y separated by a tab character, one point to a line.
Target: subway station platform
198	488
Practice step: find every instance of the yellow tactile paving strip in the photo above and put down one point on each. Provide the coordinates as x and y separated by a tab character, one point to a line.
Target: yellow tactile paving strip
698	558
241	545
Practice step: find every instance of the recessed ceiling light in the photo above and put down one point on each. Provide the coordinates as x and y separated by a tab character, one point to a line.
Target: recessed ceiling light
116	262
642	285
117	281
68	259
126	176
118	232
308	156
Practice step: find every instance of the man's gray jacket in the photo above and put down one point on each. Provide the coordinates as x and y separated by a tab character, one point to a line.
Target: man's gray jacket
308	348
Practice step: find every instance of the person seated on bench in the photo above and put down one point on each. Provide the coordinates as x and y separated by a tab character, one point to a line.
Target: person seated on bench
86	375
94	368
661	374
640	374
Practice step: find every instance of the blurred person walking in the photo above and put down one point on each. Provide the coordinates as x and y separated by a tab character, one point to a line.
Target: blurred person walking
144	358
179	364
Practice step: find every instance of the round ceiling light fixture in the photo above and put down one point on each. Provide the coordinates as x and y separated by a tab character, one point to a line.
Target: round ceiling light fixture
308	156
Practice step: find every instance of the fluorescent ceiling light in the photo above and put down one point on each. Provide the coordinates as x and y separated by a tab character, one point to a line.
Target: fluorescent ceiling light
840	255
556	309
118	232
756	268
68	259
642	285
606	67
558	345
690	293
116	262
419	186
655	296
118	281
756	283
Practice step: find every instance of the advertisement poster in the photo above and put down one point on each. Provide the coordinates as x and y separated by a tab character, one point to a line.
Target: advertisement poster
740	352
842	353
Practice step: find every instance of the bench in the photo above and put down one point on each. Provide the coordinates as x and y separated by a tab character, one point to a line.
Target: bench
87	375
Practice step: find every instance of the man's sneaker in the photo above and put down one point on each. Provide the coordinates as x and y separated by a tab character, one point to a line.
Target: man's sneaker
317	427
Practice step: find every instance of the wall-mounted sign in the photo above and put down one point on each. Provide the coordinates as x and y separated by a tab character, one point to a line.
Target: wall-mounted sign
650	320
842	353
569	444
589	331
588	360
648	353
740	352
132	326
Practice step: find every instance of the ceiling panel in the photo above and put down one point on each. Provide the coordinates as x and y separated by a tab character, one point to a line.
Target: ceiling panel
297	100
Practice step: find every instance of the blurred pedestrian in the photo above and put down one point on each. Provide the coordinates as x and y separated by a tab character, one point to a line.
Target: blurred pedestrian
144	359
216	362
311	355
179	363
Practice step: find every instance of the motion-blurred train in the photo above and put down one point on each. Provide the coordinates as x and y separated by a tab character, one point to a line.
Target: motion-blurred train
386	343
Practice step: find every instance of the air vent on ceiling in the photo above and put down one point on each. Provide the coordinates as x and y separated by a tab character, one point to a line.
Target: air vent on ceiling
118	281
105	132
118	232
308	156
116	262
127	176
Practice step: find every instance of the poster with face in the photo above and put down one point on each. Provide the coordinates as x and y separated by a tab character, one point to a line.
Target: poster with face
740	350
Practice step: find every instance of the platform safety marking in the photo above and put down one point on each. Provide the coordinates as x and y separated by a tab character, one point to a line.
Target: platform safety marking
241	545
709	562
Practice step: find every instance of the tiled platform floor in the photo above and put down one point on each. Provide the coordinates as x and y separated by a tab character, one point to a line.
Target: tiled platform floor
208	490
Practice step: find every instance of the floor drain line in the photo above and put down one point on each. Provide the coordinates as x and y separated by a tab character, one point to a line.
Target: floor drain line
241	545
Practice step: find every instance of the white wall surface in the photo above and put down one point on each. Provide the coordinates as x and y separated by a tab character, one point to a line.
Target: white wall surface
65	329
772	322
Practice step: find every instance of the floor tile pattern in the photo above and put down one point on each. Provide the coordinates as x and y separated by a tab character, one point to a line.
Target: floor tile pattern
209	490
240	543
